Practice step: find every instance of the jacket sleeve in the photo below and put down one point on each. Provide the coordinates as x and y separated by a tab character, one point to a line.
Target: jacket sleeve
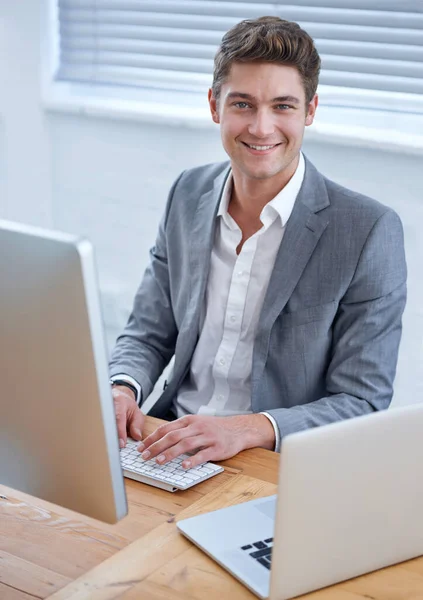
148	341
366	335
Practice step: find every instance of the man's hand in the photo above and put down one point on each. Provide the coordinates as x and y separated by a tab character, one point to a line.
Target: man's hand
129	418
210	438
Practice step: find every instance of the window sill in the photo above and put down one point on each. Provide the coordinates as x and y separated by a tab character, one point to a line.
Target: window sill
377	129
387	130
149	106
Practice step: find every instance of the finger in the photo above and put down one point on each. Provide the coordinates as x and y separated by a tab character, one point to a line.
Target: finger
120	413
165	443
135	425
121	428
185	445
202	456
162	431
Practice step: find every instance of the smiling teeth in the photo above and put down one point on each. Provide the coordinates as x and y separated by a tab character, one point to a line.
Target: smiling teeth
261	147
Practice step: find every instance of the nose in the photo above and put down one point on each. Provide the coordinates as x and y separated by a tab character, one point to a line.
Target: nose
261	125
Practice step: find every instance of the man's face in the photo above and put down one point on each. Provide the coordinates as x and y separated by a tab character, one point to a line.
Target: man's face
262	114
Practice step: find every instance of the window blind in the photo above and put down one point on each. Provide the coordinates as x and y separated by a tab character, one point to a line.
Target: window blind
170	44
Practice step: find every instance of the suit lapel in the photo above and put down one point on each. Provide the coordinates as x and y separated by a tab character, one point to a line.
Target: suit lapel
301	236
303	231
201	240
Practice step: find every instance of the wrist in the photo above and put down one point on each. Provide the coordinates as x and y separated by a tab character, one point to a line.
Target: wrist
260	432
126	390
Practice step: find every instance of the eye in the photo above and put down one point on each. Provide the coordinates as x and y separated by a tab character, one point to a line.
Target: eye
241	105
283	106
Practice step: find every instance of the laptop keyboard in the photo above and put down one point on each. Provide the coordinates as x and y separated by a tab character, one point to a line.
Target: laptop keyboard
172	473
261	551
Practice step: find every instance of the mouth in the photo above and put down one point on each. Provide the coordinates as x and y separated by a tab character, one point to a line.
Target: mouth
258	149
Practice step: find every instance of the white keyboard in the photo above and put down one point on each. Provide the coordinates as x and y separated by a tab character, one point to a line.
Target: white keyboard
171	476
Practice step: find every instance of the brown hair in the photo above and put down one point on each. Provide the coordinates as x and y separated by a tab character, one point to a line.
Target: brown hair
268	39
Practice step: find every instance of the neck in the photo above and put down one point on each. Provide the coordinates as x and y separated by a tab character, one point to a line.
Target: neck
250	196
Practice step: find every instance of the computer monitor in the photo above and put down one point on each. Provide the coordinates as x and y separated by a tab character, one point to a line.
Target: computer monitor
58	436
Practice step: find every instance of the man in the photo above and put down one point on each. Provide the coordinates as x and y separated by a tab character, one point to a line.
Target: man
279	292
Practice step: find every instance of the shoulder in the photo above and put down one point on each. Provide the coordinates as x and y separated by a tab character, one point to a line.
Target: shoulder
352	217
345	208
320	192
192	185
364	217
188	190
199	180
355	205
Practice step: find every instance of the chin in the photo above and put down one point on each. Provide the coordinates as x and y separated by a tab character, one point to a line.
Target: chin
261	176
262	173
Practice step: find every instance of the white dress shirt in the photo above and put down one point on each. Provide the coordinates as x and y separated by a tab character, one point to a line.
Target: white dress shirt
219	380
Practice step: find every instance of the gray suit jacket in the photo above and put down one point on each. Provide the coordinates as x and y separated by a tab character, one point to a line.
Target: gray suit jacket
327	340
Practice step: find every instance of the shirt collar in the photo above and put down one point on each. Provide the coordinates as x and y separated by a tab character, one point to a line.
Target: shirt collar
225	199
282	203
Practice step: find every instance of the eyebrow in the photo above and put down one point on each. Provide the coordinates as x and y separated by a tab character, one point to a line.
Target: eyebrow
280	99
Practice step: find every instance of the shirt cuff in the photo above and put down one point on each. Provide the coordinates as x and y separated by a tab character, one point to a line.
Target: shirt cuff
277	447
131	380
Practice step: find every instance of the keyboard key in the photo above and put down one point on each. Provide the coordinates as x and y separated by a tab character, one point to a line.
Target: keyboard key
202	470
195	472
247	547
261	553
264	562
172	472
259	545
269	541
189	479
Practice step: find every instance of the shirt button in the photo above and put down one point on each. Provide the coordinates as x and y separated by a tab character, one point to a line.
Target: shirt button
222	361
220	397
240	273
233	318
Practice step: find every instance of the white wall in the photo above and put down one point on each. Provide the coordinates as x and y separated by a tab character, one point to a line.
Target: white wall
108	179
25	177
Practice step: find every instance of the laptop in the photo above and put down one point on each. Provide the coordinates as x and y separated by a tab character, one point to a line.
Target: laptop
58	437
349	501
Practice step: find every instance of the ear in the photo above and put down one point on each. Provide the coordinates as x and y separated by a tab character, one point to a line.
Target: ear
311	110
213	107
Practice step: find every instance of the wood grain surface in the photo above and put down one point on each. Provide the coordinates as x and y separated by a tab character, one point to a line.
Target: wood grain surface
43	547
50	552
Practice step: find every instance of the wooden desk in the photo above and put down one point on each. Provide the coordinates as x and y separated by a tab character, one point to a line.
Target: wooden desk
50	552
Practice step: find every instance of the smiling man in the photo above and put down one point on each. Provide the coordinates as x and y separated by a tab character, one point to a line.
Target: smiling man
279	293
